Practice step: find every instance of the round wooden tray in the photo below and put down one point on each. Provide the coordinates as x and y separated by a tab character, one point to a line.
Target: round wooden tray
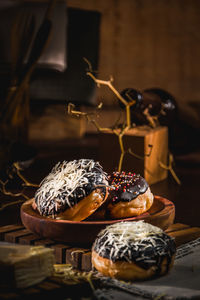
161	214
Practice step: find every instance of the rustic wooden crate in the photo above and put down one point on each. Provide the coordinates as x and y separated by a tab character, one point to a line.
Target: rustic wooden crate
139	140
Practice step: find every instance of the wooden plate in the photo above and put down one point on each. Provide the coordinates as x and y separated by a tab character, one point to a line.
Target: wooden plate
161	214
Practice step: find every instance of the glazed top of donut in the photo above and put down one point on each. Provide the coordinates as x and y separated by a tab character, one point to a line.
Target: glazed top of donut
67	184
126	186
138	242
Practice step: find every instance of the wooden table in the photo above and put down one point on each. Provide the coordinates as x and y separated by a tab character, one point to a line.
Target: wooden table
79	258
185	197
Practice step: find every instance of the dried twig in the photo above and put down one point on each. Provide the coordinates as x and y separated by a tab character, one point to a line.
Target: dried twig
117	130
89	116
139	156
169	167
6	192
113	89
153	120
68	275
25	183
5	205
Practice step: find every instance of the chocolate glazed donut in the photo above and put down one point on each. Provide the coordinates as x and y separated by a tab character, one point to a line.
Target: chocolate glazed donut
73	190
129	195
133	251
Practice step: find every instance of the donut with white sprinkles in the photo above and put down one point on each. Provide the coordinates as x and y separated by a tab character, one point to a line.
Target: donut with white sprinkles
133	251
72	190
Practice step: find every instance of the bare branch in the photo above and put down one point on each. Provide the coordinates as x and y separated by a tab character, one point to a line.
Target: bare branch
26	182
169	167
120	132
3	206
153	120
139	156
89	64
8	193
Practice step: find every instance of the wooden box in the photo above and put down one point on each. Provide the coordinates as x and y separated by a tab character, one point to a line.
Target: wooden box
150	146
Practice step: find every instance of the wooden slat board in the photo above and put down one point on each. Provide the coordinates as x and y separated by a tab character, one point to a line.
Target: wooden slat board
9	228
80	258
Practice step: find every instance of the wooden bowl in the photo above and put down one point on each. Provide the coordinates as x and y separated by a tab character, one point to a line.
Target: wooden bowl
161	214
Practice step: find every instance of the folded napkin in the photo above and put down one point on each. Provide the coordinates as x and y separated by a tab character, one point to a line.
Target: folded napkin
183	281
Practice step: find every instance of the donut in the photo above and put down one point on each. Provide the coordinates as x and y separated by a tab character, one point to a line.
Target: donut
133	251
129	195
72	190
101	214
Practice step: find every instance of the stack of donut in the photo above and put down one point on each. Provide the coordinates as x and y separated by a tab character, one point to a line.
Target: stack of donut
80	189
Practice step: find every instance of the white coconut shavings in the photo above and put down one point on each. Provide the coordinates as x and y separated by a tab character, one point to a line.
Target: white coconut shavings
64	178
121	236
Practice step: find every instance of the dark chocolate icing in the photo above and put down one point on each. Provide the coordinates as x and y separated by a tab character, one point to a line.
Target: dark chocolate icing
126	186
146	253
49	204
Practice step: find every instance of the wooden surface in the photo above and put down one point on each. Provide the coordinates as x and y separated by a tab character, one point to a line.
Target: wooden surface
139	140
79	258
161	214
184	196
